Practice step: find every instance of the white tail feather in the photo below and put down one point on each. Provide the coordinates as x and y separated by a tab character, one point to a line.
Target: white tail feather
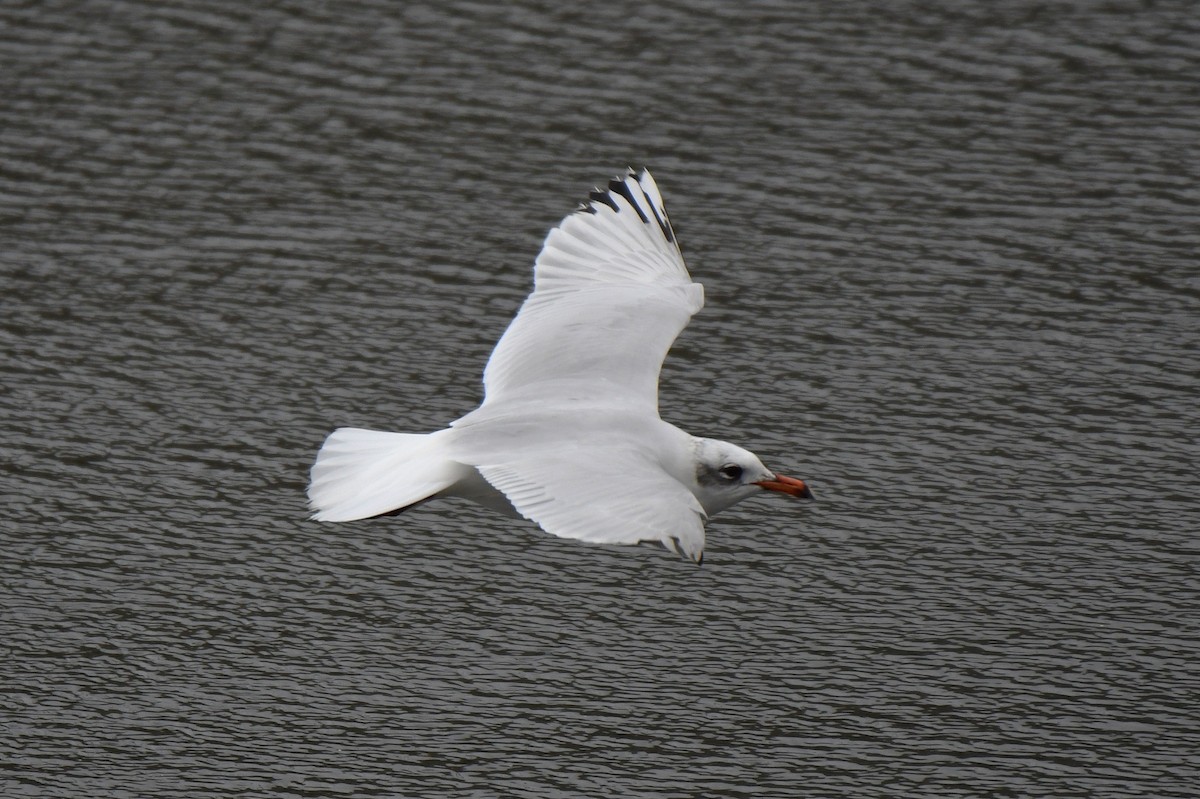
363	473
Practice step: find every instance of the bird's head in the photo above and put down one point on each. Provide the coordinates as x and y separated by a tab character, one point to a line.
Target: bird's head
726	474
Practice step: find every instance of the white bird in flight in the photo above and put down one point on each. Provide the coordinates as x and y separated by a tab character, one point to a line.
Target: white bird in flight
568	434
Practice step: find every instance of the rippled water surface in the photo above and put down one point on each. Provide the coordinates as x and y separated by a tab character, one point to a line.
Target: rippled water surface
951	266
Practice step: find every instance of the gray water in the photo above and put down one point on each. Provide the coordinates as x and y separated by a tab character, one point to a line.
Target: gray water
950	254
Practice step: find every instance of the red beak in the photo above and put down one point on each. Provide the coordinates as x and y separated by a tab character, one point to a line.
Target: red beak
787	485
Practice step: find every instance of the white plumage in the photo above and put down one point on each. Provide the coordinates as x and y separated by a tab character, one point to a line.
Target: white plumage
568	434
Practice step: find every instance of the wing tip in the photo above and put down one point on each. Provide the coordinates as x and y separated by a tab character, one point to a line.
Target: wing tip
646	201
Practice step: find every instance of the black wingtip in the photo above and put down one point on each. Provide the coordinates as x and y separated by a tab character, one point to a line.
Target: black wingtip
622	188
643	207
598	196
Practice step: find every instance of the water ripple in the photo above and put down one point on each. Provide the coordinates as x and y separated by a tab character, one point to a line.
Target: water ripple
949	261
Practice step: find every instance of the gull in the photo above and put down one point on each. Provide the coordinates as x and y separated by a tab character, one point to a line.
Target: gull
568	434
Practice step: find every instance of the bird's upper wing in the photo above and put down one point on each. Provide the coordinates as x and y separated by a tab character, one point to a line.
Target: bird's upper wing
613	496
611	293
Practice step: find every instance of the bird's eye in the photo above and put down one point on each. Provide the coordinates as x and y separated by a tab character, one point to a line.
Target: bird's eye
731	471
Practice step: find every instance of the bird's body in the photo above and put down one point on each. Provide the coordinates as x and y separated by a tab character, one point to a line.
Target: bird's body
568	434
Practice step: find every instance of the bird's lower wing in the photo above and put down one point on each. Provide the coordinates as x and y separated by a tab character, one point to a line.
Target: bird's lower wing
610	498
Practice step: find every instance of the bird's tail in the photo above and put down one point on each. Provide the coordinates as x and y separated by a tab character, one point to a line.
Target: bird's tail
363	473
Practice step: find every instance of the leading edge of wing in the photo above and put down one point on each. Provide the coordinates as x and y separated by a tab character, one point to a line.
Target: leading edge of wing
611	293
